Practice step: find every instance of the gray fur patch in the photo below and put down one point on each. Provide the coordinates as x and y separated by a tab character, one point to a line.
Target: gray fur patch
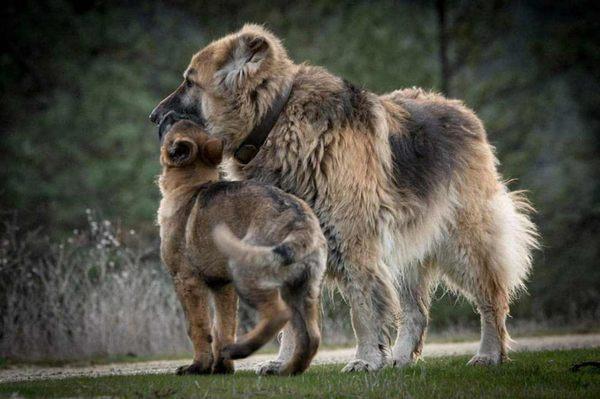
427	155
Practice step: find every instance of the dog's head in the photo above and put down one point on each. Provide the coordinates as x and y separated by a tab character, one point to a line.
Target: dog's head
230	84
187	144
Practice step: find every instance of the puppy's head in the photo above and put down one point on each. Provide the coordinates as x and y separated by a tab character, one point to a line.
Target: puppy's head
231	83
187	144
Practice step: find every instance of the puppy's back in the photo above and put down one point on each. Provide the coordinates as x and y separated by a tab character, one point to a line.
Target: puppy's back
277	263
282	232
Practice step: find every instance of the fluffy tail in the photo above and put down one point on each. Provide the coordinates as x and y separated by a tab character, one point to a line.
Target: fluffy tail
517	238
291	250
240	251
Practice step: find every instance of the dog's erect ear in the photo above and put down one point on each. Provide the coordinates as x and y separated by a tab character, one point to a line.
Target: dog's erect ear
181	152
212	152
256	47
247	55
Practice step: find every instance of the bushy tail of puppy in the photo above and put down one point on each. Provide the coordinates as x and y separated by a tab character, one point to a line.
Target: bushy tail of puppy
292	249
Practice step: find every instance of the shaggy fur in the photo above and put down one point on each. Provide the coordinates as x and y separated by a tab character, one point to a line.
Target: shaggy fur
277	267
405	187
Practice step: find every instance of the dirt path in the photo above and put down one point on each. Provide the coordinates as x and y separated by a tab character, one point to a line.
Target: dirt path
31	373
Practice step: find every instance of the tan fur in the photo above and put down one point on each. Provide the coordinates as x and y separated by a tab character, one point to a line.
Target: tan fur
277	267
405	187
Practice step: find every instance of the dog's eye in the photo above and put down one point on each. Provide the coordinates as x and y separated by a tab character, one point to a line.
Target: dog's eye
189	84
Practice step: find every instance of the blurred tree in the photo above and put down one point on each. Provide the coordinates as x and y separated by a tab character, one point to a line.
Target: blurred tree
82	81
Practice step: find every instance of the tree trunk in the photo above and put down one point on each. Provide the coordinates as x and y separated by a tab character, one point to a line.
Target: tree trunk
440	6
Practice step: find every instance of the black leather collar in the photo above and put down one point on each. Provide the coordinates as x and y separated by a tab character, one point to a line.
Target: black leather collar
257	137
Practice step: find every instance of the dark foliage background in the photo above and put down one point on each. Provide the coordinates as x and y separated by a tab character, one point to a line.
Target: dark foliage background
78	79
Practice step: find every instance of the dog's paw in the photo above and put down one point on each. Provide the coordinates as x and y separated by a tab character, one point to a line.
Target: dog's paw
223	366
271	367
193	369
485	359
359	365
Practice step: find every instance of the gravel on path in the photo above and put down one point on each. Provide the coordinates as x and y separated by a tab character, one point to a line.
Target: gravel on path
325	356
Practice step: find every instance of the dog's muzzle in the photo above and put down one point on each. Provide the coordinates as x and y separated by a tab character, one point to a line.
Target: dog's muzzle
154	116
166	123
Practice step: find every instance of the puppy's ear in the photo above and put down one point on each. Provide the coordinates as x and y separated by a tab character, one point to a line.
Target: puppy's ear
248	53
181	152
212	152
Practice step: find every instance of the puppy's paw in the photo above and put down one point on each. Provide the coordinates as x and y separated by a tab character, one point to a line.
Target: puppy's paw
235	351
485	359
223	366
271	367
359	365
193	369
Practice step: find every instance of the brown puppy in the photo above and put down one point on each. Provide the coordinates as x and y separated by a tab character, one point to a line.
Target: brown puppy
277	267
405	186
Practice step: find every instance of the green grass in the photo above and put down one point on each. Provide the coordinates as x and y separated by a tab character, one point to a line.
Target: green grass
539	375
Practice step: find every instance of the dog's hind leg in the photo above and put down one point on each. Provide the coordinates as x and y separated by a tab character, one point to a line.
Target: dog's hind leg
482	286
489	262
470	269
493	347
301	291
307	337
304	298
273	315
415	288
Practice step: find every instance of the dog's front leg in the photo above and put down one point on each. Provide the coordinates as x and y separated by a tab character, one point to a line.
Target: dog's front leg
374	312
194	297
225	326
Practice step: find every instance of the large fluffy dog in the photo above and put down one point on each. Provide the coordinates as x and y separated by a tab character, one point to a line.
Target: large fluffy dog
405	187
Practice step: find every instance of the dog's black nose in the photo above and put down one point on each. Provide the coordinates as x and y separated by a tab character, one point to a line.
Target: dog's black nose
154	116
